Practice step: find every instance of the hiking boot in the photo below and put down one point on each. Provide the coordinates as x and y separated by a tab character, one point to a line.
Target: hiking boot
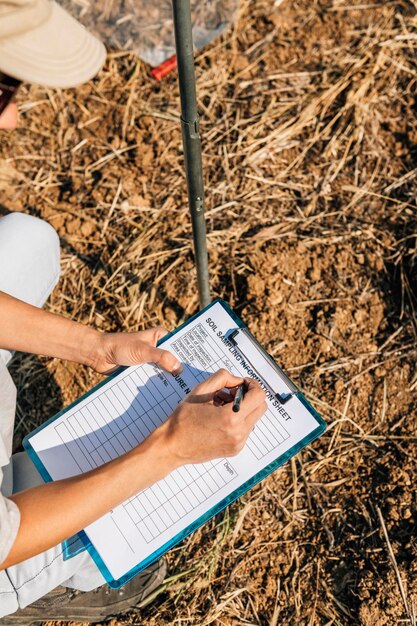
103	603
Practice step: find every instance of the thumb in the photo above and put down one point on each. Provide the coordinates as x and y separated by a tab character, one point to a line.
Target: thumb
165	359
153	335
217	381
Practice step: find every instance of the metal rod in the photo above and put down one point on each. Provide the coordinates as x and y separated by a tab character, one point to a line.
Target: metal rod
191	142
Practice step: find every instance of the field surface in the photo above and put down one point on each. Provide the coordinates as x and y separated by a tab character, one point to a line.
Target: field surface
309	125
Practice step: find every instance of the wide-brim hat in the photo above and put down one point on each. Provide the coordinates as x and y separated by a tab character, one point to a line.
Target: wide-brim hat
41	43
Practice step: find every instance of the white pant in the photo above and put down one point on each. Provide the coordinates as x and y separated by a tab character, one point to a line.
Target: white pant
29	270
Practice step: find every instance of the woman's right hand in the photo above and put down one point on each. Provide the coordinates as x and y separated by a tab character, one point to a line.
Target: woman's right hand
204	426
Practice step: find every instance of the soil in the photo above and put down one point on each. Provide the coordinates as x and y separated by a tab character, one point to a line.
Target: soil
309	126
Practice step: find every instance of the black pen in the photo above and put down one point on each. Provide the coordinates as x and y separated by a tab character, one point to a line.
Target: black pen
238	397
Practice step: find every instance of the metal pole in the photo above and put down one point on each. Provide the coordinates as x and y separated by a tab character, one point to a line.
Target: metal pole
191	141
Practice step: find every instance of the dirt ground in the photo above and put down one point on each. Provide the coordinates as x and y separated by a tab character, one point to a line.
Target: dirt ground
309	124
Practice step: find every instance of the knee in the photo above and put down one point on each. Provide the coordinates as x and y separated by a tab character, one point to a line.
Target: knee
35	232
29	247
32	235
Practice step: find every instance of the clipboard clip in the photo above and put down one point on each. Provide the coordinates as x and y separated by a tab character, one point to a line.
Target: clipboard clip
282	397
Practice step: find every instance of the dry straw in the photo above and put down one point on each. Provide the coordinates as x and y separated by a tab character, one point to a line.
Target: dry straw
309	135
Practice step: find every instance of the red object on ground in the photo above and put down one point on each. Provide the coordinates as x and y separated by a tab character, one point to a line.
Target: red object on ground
165	68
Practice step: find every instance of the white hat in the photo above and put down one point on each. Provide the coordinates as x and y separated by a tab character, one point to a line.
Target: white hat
41	43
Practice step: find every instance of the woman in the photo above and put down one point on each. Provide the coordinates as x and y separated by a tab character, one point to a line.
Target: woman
41	43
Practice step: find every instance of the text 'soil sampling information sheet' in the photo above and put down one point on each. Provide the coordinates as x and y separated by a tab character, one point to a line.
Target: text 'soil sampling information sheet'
121	413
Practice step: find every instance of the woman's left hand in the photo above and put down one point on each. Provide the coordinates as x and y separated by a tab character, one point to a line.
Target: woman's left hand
115	349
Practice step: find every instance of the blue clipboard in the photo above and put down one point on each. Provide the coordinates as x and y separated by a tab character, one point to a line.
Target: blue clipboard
79	542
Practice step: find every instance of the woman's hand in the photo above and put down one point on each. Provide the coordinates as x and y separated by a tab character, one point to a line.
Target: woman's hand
26	328
115	349
204	426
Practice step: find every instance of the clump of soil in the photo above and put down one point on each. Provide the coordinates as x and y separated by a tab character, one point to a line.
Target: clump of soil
379	597
309	131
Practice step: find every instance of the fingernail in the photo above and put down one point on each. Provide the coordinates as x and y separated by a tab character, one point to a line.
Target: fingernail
177	369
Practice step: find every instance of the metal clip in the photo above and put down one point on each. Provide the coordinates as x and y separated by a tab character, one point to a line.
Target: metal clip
199	205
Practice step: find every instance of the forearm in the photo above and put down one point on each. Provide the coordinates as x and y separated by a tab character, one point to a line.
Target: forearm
55	511
26	328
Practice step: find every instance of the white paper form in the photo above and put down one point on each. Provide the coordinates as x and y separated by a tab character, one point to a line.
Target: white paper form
120	414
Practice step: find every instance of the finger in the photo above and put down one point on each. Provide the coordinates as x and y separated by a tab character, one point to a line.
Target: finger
256	415
253	398
225	396
152	335
217	381
164	358
217	401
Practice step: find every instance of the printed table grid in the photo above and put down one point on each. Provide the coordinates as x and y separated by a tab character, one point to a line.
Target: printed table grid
157	508
115	421
106	426
269	433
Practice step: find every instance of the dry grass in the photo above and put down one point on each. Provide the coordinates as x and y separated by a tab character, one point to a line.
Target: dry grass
310	142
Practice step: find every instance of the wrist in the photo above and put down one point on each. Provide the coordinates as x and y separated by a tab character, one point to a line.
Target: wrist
165	436
91	347
160	457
